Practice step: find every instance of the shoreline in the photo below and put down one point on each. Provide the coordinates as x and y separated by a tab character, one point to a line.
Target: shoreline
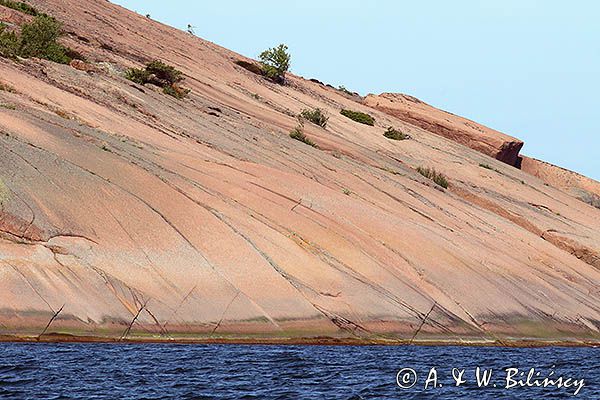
300	341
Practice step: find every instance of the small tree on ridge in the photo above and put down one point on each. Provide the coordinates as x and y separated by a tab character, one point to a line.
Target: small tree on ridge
276	62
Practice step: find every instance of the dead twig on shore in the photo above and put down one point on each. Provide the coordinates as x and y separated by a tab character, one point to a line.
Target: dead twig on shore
124	335
224	312
50	322
423	322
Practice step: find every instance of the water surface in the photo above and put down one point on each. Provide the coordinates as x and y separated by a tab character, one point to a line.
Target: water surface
168	371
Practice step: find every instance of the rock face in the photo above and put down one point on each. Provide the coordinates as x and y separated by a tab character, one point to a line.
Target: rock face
579	186
134	214
471	134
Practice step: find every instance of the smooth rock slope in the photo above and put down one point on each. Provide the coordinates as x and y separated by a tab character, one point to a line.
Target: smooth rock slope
476	136
127	213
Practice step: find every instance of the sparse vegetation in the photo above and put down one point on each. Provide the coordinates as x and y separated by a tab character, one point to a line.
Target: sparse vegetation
359	117
347	192
344	90
5	87
176	91
8	106
21	6
275	63
298	134
395	134
160	74
487	166
430	173
317	116
37	39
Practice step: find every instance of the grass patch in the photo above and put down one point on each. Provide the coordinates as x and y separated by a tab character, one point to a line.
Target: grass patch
8	106
160	74
316	116
486	166
394	134
21	6
298	134
430	173
359	117
39	38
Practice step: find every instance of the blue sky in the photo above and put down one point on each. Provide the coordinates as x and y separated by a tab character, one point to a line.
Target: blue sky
525	67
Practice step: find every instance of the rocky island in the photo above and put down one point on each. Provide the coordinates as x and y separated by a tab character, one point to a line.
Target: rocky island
150	190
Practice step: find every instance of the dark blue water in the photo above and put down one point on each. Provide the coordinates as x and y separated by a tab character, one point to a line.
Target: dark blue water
164	371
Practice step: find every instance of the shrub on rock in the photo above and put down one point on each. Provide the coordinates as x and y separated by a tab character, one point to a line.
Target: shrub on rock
395	134
430	173
275	63
316	116
298	134
359	117
37	39
160	74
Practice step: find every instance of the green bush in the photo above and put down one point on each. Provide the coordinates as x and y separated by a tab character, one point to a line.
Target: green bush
298	134
394	134
38	39
316	116
138	75
9	43
435	176
164	72
359	117
20	6
160	74
275	62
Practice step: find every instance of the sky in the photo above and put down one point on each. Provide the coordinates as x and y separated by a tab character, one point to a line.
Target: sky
529	68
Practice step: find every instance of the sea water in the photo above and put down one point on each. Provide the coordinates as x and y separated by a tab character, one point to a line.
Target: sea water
170	371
